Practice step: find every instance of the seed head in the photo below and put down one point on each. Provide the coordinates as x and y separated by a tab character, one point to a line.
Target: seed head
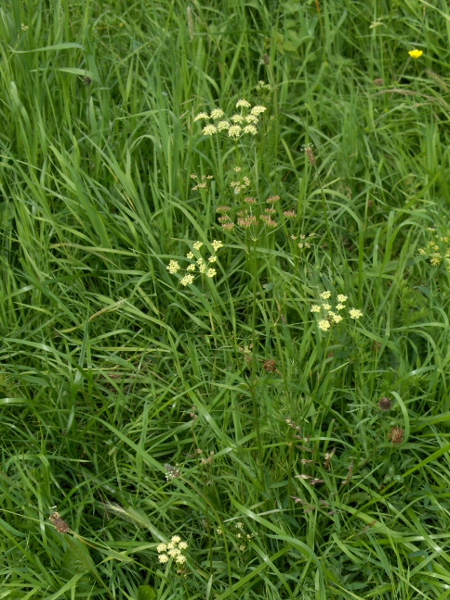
60	524
270	366
385	404
396	436
310	156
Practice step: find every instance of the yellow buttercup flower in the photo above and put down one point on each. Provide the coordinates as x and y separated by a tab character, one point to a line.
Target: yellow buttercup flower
415	53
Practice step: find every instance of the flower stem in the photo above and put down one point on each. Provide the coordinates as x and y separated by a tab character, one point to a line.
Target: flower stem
251	247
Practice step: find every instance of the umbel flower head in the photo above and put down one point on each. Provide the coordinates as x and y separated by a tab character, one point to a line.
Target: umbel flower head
197	264
325	309
174	549
415	53
241	123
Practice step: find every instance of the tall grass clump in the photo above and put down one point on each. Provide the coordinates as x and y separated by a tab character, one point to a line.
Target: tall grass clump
224	311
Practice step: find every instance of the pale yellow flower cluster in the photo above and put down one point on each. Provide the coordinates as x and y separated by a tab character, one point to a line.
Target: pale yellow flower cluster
332	316
244	538
173	550
197	263
203	183
437	250
240	185
237	125
262	86
302	237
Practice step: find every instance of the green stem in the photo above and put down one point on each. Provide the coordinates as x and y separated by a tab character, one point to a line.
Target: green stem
251	247
327	225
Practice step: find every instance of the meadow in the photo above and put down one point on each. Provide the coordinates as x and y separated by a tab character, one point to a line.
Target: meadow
224	300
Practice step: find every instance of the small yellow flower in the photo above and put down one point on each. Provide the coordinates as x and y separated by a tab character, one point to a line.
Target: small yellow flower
201	115
324	325
326	306
234	131
191	267
173	267
217	113
198	245
182	546
190	255
315	308
187	280
212	258
415	53
209	130
211	272
161	547
340	306
355	313
221	125
337	318
342	298
180	559
325	295
250	129
216	245
243	103
163	558
257	110
237	119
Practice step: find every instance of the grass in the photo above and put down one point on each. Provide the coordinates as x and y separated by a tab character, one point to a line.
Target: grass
138	408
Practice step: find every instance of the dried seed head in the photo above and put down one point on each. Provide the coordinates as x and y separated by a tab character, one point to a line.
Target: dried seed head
385	404
270	366
60	524
265	59
396	436
378	82
310	156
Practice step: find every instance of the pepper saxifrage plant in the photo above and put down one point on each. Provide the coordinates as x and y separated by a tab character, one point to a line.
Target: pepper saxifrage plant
224	301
